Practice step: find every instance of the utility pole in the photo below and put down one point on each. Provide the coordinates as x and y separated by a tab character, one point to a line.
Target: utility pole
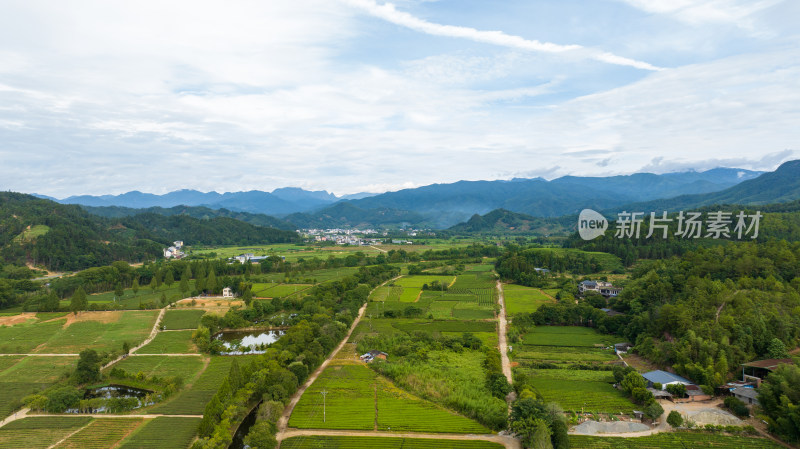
324	393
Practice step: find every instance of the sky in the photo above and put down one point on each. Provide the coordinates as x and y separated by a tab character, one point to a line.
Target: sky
104	97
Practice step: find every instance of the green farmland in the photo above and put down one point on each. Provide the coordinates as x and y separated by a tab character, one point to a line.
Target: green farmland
182	319
521	299
359	399
163	432
674	440
315	442
187	367
39	432
170	342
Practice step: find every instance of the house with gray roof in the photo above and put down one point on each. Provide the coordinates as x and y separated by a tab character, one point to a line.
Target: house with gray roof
664	378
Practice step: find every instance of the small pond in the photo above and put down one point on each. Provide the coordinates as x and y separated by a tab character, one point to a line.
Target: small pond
114	398
116	391
248	342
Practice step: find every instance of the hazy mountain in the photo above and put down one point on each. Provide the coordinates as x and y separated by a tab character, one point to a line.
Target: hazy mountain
201	212
345	214
446	204
782	185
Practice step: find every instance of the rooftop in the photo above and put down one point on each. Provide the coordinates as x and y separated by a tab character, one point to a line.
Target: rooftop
769	364
664	377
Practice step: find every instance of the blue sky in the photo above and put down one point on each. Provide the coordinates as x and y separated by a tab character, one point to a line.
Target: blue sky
365	95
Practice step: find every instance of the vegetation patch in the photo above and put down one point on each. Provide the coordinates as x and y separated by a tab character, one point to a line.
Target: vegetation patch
101	434
163	432
521	299
672	440
182	319
39	432
163	366
314	442
172	342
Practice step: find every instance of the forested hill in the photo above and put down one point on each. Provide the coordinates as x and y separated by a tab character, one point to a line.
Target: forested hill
201	212
501	221
782	185
66	237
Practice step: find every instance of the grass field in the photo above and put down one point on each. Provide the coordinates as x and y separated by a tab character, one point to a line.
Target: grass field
182	319
278	290
359	399
39	432
129	300
162	366
521	299
32	232
475	280
171	342
574	390
417	281
21	376
316	442
672	440
101	434
102	331
163	433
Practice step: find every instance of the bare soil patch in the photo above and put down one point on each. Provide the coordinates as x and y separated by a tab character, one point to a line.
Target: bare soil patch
103	317
17	319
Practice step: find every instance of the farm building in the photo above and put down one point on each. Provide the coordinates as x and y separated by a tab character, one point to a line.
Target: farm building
374	354
227	292
746	394
758	370
606	289
664	378
622	348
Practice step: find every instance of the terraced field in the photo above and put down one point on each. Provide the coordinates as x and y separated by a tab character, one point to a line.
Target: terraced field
193	400
187	367
21	376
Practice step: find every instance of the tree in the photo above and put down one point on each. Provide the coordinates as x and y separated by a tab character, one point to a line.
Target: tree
261	436
51	302
211	282
61	399
118	291
88	369
633	381
653	410
779	397
560	436
541	435
78	301
777	350
126	347
184	285
135	287
169	278
675	419
187	273
153	284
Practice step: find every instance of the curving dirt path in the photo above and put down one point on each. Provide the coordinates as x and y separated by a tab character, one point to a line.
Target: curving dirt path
502	340
507	441
150	338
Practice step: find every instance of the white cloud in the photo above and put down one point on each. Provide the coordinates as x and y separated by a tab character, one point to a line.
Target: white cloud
737	12
388	12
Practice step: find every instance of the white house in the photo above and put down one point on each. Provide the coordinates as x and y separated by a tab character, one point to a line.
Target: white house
227	292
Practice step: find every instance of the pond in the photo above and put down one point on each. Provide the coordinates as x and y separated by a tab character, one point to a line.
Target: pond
244	429
114	398
248	342
116	391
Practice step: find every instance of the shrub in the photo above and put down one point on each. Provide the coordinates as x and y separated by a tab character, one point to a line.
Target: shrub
675	419
736	406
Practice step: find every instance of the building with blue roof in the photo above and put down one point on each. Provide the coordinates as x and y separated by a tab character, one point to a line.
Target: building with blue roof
664	378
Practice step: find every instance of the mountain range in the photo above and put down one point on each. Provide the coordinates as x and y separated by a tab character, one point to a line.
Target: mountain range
436	205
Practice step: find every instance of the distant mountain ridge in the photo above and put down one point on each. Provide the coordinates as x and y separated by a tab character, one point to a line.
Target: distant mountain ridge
201	212
441	205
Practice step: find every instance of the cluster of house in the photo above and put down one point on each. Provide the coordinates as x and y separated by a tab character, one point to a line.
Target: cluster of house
372	355
606	289
174	251
746	390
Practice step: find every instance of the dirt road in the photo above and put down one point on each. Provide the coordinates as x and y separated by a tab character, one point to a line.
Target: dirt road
502	342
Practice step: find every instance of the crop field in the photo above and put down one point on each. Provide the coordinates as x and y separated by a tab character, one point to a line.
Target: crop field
521	299
182	319
329	274
357	398
401	411
417	281
475	280
408	294
171	342
577	395
162	366
163	432
382	293
411	326
523	353
479	268
101	434
193	400
349	403
567	336
23	338
39	432
316	442
278	290
672	440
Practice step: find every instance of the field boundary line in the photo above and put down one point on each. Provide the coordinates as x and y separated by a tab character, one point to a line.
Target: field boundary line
151	337
68	436
502	341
